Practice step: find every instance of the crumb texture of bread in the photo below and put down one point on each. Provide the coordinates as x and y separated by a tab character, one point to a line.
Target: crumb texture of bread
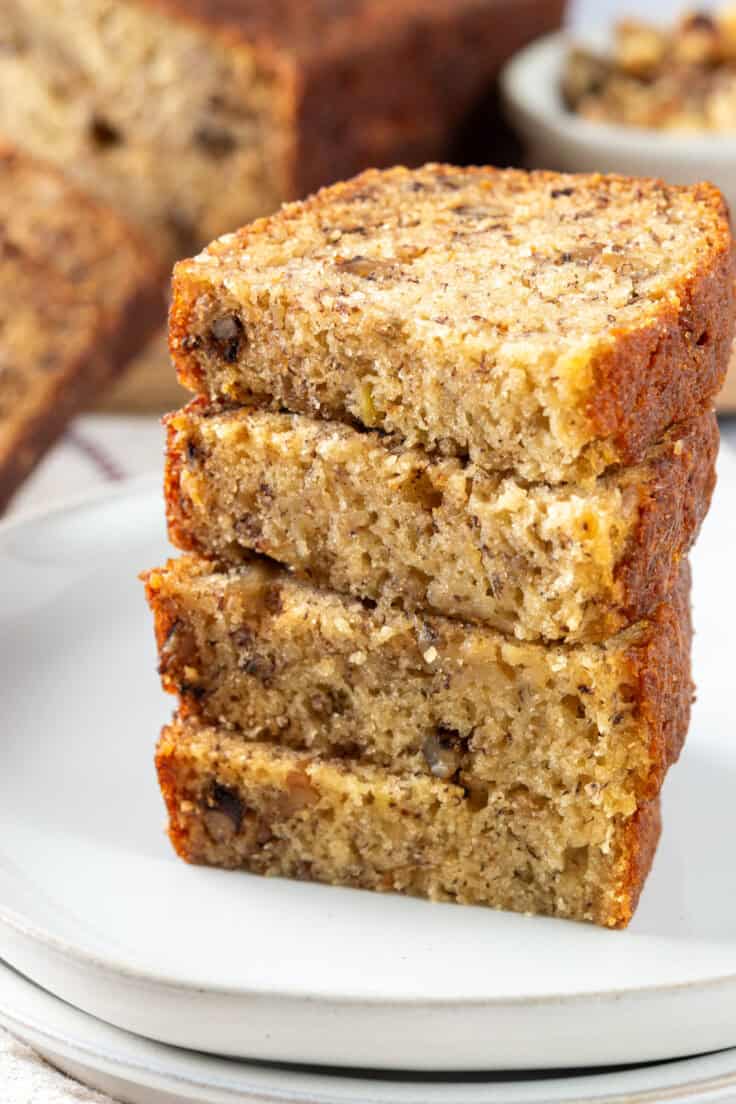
585	728
196	117
80	295
275	811
367	515
553	324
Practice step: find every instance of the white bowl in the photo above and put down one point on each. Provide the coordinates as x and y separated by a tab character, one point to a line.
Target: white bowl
556	138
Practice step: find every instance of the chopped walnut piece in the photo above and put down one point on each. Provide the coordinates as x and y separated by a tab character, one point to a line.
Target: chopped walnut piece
443	752
299	793
682	78
223	814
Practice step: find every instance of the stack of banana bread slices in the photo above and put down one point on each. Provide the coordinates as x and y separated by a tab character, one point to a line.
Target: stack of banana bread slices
452	441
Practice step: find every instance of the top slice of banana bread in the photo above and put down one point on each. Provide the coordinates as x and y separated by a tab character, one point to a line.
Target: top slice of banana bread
554	324
193	116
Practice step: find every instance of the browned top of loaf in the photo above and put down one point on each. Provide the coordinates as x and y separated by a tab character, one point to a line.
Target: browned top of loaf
307	28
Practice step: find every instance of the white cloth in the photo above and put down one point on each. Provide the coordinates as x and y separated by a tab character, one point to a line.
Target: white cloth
98	449
27	1079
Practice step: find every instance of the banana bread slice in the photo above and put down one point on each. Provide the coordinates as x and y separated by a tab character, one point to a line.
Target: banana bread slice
553	324
80	296
367	515
48	219
282	812
273	659
193	116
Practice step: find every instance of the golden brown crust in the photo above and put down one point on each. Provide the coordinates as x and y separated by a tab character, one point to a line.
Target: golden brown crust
87	240
302	29
433	62
308	28
673	504
661	671
727	398
47	334
676	367
176	506
81	382
70	395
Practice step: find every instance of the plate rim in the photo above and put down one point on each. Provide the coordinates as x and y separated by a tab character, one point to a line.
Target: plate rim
148	978
30	1029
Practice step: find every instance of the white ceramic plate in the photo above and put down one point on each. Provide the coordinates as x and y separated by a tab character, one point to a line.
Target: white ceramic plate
143	1072
94	906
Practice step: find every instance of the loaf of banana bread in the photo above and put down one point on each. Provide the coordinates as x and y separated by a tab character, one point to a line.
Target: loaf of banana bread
553	324
282	812
193	117
273	659
367	515
80	296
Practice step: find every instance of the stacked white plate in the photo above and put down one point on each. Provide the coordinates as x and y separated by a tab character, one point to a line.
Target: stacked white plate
139	962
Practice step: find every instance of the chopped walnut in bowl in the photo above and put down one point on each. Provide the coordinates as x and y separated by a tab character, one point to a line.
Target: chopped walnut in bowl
681	78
